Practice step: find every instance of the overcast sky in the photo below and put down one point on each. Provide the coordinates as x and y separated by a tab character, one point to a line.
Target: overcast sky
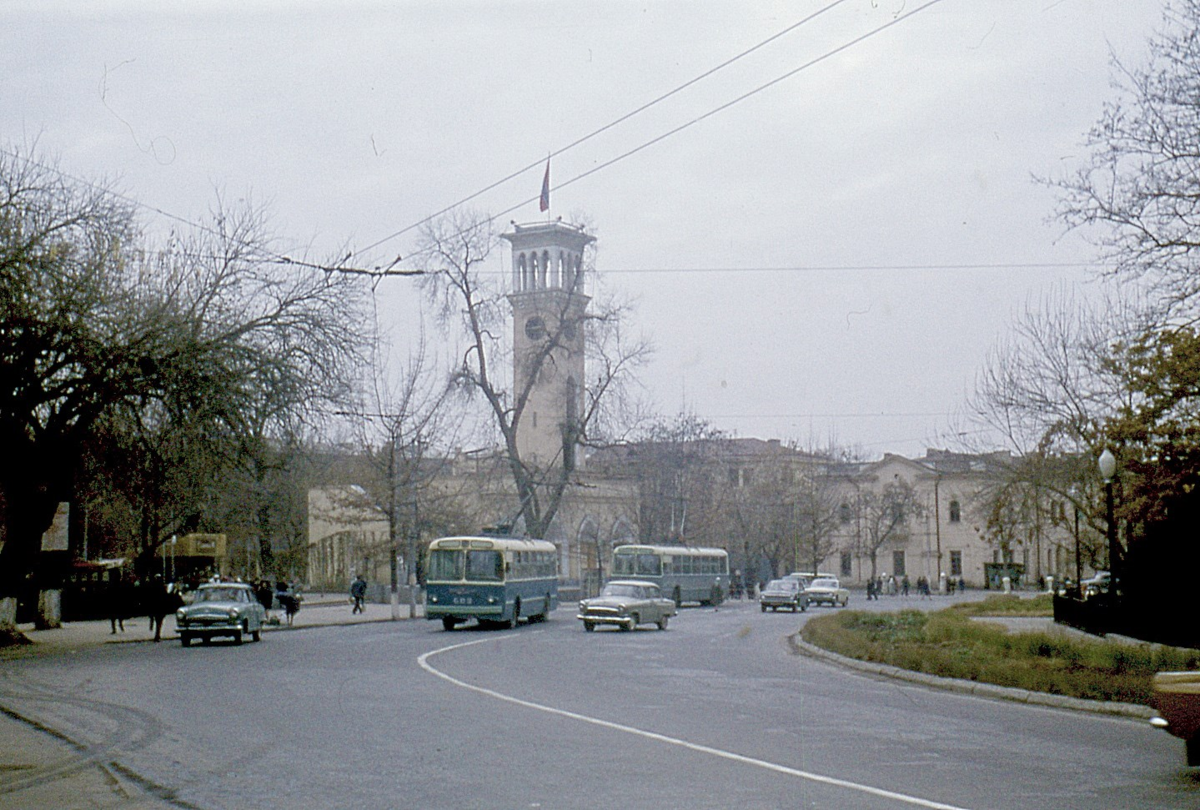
831	256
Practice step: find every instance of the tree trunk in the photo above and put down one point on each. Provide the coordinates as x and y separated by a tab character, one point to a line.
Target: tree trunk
29	511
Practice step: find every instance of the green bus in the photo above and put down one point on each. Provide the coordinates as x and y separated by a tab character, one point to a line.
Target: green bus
683	573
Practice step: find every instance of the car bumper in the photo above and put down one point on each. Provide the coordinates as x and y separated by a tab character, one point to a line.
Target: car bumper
606	618
214	629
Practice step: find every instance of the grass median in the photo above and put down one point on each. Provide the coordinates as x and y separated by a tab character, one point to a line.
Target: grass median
957	643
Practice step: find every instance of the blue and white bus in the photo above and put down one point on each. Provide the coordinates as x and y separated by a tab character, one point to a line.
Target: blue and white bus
683	573
494	580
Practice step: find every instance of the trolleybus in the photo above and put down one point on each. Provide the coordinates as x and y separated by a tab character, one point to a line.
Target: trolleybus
494	580
683	573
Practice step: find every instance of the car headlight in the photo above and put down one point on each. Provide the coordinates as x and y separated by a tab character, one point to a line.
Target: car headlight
233	614
180	615
433	598
491	600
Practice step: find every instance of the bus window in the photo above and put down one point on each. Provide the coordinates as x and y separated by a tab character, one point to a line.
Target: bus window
649	565
485	565
445	565
623	565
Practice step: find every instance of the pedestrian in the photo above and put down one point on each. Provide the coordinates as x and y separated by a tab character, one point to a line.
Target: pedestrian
358	591
904	586
159	602
120	602
870	589
962	584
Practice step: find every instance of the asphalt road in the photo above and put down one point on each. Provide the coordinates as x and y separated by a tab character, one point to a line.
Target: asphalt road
713	713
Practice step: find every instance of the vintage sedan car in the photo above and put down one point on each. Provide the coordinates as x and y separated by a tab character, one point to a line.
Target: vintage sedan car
827	591
626	603
1177	700
1094	586
227	609
787	593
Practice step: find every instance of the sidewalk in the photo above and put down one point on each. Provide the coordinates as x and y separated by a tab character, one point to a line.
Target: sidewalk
39	768
315	611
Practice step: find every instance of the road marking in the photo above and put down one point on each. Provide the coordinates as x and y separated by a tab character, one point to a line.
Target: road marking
423	662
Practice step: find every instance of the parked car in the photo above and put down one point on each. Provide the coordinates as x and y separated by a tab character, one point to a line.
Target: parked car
827	591
626	603
227	609
1096	585
787	593
1177	700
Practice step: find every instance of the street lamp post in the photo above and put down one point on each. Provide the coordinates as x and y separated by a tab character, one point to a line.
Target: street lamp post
1108	470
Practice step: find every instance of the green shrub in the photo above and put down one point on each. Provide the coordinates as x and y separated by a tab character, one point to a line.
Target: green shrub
948	643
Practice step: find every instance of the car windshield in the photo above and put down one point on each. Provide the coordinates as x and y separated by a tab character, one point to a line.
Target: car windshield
619	589
218	595
824	583
782	585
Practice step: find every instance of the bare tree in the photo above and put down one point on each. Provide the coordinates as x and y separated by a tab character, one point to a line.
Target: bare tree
196	333
883	517
453	251
407	427
1136	194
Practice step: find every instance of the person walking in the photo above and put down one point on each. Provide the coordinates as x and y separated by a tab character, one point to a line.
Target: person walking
358	592
159	602
120	602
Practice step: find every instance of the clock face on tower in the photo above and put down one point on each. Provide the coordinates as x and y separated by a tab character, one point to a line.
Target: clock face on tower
535	328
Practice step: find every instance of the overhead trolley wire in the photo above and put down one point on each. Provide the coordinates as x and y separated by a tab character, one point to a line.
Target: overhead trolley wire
537	163
839	49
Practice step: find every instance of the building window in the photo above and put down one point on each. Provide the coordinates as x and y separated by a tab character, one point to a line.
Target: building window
956	569
844	513
847	565
955	511
898	567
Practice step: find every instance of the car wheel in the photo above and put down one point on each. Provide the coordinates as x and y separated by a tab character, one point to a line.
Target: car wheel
237	637
764	608
678	597
448	623
803	606
662	623
1193	751
256	635
185	639
589	626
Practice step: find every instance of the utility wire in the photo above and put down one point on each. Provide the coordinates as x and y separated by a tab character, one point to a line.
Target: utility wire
845	46
537	163
261	253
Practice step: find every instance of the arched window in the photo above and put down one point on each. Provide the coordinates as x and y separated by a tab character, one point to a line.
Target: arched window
545	268
522	280
955	511
534	275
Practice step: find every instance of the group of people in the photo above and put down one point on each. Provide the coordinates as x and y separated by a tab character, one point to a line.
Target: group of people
281	594
154	599
888	584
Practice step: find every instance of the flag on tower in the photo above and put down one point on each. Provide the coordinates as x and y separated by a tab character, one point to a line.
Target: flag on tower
544	203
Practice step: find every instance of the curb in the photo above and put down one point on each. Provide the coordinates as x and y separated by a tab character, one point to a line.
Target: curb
988	690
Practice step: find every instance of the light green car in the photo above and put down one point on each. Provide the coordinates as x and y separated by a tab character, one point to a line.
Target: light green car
228	609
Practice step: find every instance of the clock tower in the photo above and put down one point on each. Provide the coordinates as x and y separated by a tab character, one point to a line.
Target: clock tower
549	310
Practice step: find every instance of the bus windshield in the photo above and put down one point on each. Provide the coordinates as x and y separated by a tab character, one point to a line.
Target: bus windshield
485	565
445	565
474	565
641	565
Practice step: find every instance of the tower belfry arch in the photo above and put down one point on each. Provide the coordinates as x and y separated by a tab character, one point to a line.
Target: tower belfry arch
549	309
